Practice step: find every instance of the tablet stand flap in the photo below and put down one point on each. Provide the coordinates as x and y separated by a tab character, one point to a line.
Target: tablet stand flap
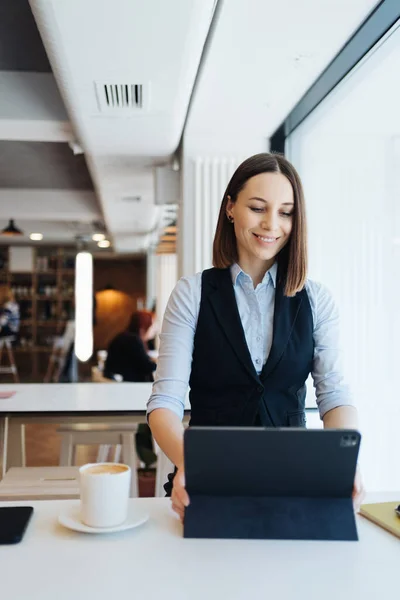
278	518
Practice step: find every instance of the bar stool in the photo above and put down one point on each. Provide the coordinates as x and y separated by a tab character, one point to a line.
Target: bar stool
12	367
40	483
121	435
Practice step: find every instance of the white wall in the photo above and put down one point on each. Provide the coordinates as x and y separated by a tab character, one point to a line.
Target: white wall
166	280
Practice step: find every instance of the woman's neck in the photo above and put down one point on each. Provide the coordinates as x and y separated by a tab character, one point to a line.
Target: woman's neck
256	269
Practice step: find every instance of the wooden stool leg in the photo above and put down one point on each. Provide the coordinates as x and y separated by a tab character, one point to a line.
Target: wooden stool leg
66	451
102	454
73	456
23	445
15	444
117	453
3	444
129	458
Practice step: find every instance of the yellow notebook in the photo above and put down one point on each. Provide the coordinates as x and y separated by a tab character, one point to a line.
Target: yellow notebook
382	513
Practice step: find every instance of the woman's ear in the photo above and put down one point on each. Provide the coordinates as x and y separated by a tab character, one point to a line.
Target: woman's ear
228	209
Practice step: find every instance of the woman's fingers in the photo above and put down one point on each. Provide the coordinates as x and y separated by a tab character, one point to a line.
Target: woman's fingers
179	511
179	497
182	496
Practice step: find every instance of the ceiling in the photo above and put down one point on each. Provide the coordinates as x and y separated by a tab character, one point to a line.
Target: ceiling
40	165
43	185
155	46
45	102
54	90
17	24
263	58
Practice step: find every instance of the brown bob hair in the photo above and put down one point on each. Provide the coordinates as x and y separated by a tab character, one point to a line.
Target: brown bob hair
6	295
292	259
141	320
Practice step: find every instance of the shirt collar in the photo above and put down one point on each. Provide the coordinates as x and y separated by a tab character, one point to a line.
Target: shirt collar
270	275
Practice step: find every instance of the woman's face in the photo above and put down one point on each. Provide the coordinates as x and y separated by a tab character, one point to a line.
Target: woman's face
262	218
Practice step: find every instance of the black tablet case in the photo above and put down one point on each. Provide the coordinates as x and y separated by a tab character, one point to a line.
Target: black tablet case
259	483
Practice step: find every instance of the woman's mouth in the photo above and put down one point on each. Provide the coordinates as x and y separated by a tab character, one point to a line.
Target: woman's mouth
266	239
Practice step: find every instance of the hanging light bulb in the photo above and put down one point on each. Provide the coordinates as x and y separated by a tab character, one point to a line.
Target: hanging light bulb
84	306
11	229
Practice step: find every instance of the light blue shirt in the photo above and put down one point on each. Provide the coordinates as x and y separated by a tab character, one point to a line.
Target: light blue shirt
256	309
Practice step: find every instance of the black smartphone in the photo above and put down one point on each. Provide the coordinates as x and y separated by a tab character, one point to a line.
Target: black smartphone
13	523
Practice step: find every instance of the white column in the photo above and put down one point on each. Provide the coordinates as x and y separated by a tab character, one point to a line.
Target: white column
151	279
166	280
204	183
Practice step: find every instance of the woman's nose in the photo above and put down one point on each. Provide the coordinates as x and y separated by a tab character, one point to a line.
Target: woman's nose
270	222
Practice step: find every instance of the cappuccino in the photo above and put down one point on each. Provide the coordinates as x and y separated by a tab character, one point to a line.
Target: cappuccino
112	469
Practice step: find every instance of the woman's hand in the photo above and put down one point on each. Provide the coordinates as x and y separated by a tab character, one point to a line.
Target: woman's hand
358	490
179	496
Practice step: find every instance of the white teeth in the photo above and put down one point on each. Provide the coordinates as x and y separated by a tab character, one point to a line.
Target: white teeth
266	239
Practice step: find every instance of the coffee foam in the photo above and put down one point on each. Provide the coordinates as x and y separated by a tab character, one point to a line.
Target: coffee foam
106	469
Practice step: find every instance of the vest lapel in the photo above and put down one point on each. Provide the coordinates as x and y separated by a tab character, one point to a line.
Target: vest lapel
285	314
223	303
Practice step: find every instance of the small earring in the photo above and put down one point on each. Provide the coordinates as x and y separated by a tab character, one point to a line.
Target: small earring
230	219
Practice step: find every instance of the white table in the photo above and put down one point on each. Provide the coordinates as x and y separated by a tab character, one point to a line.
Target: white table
73	403
155	562
65	403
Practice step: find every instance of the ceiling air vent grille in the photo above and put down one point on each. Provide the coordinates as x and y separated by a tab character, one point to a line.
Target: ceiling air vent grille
120	97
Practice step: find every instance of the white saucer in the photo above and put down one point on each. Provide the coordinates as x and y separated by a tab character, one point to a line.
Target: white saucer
71	520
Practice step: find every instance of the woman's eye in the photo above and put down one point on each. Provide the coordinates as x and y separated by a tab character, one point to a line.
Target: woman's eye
259	210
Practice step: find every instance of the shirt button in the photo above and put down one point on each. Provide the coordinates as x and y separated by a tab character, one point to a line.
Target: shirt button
258	338
260	389
258	361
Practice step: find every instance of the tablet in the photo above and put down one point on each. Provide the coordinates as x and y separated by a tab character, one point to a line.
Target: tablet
13	523
270	482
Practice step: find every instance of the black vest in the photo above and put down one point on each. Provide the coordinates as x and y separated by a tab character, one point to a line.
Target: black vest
225	389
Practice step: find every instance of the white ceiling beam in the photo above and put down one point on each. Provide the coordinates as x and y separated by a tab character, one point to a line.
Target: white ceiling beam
49	205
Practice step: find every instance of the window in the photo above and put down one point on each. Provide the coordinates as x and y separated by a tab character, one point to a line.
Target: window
348	155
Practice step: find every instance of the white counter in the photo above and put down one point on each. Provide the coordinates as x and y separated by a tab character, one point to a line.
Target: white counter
154	561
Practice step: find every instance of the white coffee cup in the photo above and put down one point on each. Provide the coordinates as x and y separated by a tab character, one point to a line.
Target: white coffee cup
104	491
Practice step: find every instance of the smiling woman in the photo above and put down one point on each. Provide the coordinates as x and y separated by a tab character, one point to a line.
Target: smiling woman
264	201
246	334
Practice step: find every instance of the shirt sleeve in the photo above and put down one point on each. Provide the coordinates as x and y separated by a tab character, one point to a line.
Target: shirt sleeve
176	347
327	370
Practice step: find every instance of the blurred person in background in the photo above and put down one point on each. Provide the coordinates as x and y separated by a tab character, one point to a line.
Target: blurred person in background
127	356
9	313
127	353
